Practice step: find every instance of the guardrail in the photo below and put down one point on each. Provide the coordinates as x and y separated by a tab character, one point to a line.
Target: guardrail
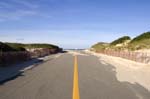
135	56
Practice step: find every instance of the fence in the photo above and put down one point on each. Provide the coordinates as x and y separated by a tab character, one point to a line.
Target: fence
14	57
135	56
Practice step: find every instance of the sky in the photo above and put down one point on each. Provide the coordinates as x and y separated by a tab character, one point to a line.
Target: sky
72	23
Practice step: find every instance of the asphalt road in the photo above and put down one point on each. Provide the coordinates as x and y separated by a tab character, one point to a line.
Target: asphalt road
53	79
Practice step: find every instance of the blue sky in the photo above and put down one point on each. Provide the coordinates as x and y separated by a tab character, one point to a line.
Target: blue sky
72	23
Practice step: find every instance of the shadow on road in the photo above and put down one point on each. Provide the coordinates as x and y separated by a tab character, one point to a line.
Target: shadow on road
12	72
63	52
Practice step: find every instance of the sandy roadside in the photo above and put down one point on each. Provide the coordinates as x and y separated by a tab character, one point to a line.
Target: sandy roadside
126	70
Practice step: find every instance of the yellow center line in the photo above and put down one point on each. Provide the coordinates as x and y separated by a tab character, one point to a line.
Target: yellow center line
75	80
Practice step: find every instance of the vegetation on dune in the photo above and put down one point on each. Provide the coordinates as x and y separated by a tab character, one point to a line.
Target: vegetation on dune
17	47
113	45
141	37
126	43
16	52
120	40
140	42
100	46
5	47
40	46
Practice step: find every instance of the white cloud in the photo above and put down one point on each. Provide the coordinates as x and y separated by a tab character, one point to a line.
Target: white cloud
4	5
16	15
17	9
27	4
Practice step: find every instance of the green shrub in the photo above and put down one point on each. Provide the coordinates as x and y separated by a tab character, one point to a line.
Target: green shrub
100	46
5	48
141	37
120	40
140	42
